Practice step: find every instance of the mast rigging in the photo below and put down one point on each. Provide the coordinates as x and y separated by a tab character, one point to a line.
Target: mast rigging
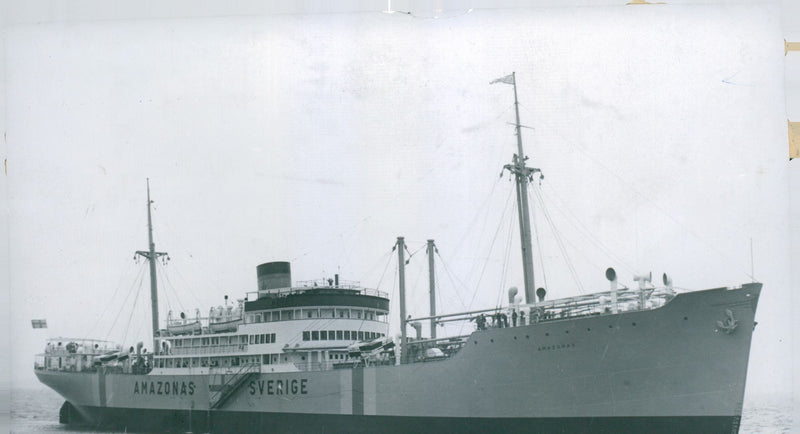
523	174
151	255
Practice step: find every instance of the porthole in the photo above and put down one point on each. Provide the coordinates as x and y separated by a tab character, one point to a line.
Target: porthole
633	324
547	334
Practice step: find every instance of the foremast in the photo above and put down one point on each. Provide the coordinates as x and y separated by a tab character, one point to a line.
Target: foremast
523	174
151	256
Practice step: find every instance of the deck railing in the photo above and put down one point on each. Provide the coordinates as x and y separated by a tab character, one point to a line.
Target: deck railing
295	290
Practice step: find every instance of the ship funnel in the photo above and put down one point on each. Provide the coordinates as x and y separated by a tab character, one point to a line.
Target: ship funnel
667	280
541	293
273	275
643	278
512	292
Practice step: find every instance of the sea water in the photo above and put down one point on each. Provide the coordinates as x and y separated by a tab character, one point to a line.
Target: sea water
35	410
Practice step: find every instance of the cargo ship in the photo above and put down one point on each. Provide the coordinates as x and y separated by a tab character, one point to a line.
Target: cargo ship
318	356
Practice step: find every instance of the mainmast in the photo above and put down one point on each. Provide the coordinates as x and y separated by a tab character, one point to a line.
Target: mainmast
401	264
151	255
432	286
523	175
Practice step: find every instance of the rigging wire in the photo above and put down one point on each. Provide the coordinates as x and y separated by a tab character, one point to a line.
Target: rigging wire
413	290
113	297
394	286
133	310
506	257
189	287
453	278
375	264
647	199
559	241
576	223
174	234
136	282
388	261
539	246
491	247
481	207
165	276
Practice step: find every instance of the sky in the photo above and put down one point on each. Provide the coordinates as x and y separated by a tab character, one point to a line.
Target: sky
320	138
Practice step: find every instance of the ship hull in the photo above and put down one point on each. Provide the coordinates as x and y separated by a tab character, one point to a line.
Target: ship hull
671	369
222	421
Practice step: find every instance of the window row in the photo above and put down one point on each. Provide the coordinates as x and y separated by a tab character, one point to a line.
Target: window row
340	335
215	362
209	341
264	338
316	312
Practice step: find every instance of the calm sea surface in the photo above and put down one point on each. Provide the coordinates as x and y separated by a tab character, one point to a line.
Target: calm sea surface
36	411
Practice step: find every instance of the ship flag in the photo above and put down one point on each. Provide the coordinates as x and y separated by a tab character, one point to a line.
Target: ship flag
508	79
39	323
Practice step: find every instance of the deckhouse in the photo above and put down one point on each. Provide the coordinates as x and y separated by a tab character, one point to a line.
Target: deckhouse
282	327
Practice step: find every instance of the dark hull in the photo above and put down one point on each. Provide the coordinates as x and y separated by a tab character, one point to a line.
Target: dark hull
237	422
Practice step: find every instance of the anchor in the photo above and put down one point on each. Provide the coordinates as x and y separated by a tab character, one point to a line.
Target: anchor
729	324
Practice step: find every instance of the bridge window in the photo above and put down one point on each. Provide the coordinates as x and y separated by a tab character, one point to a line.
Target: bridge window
315	336
323	335
360	336
306	336
339	335
347	335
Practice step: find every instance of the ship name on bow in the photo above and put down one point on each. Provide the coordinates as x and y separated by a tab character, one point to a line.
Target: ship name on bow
163	388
